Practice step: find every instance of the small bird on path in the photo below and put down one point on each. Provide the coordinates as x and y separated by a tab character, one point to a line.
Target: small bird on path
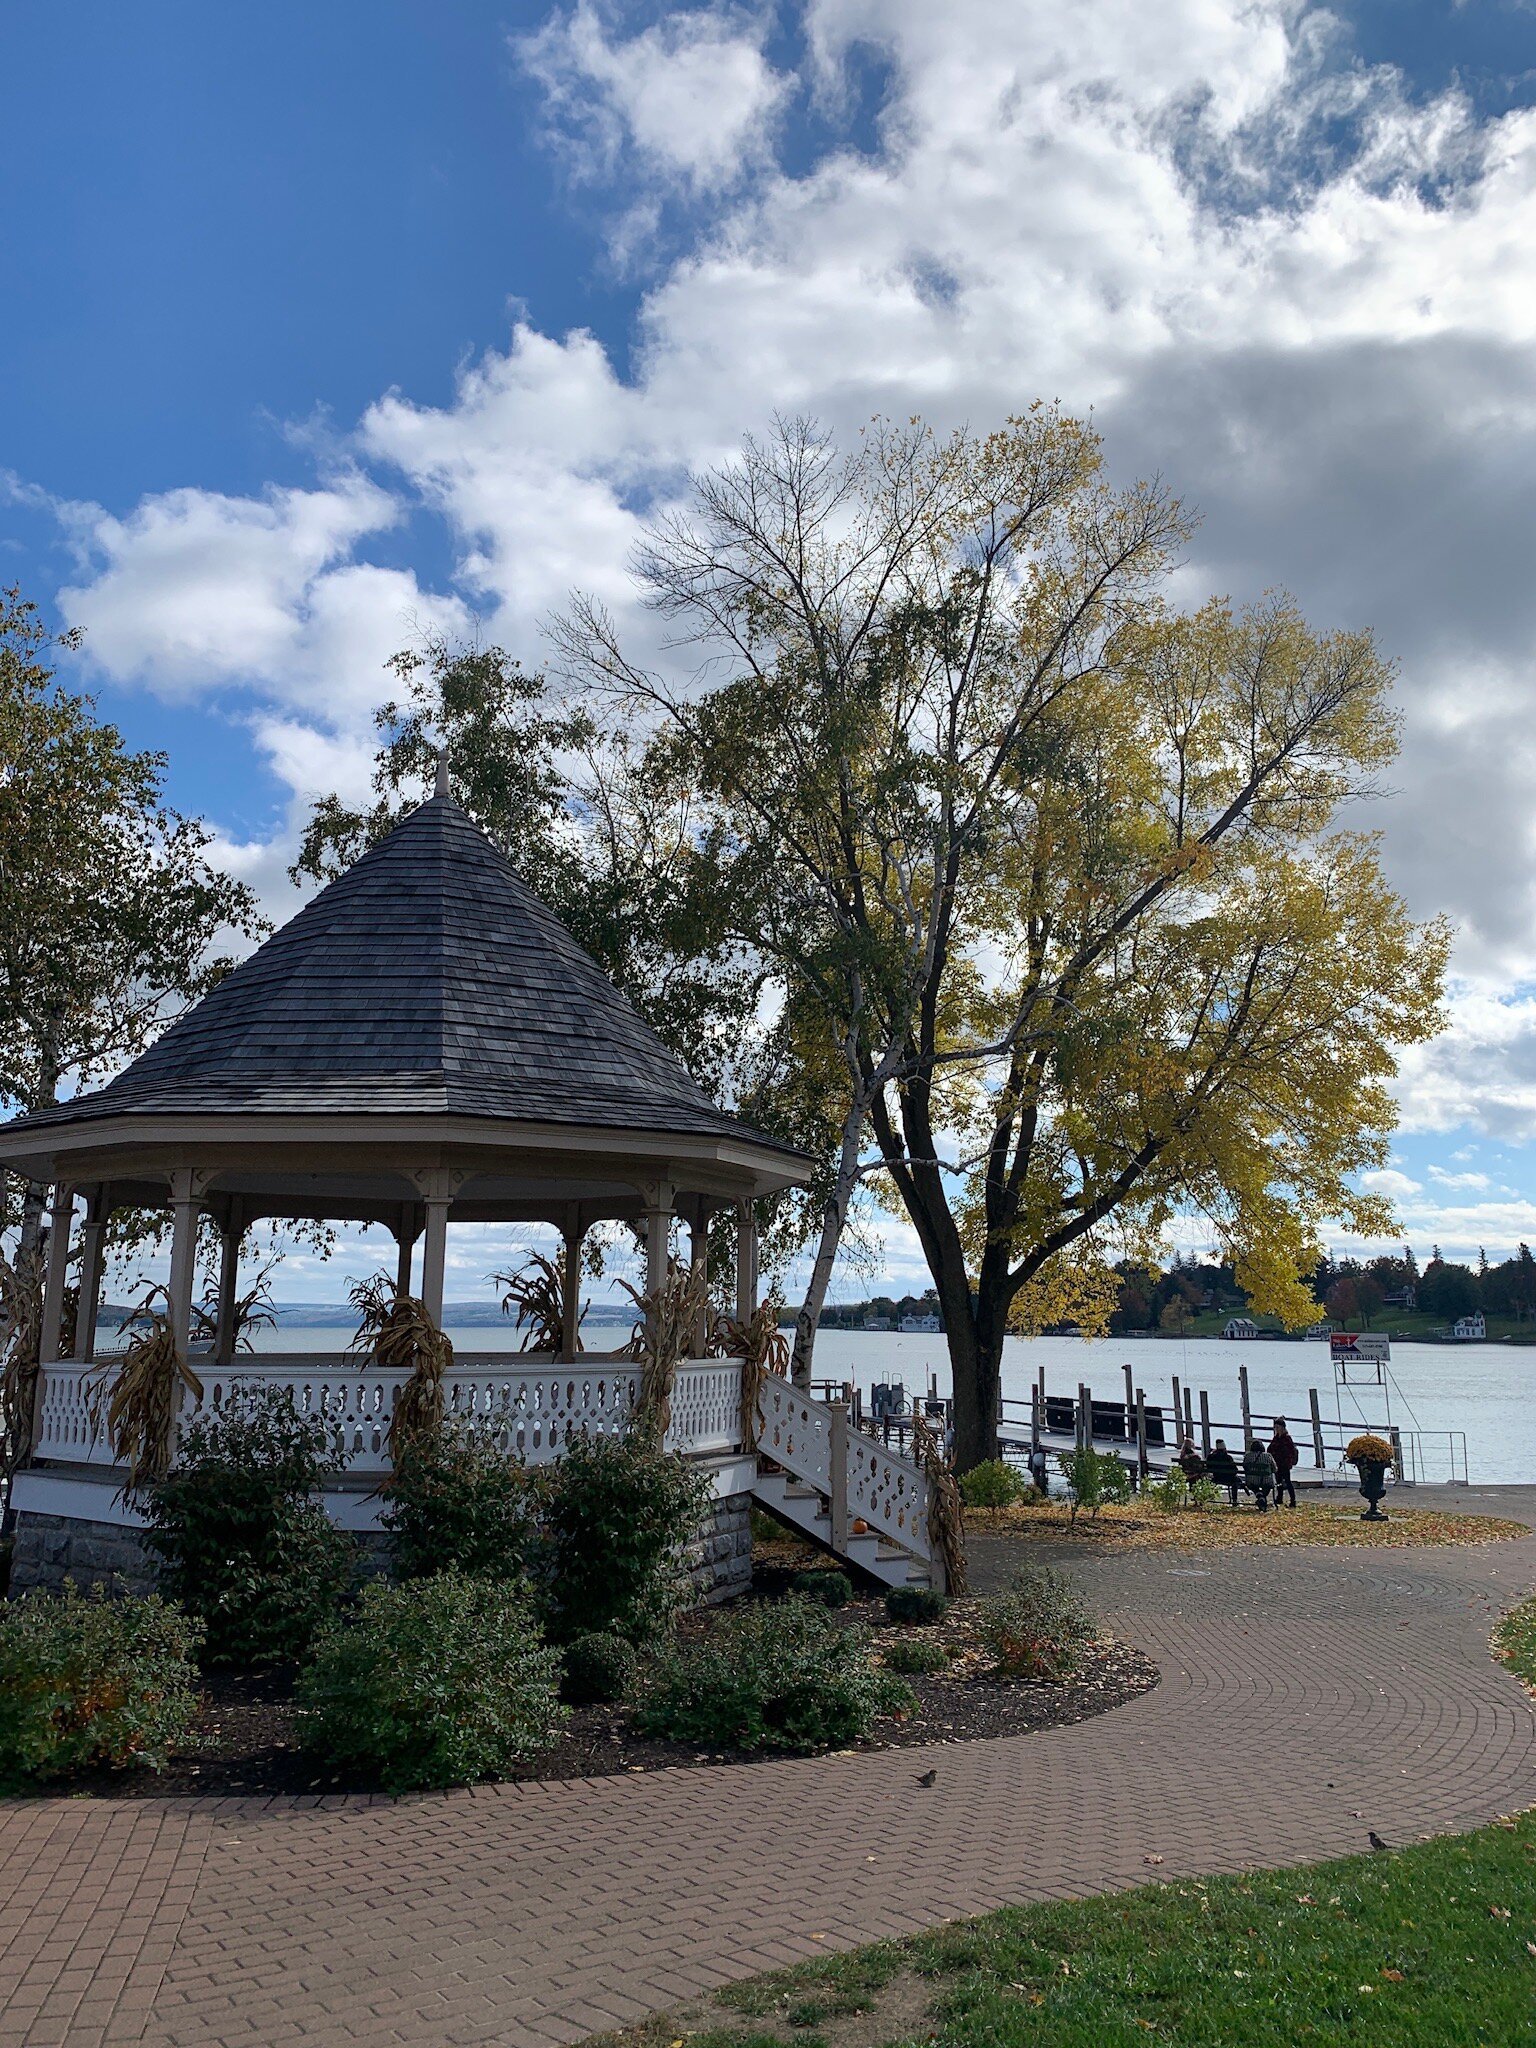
1374	1839
929	1778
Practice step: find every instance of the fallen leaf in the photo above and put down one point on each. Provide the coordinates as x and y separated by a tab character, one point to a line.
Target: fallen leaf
1151	1859
1393	1976
1498	1912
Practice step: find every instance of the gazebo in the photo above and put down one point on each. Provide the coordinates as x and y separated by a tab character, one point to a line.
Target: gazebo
423	1045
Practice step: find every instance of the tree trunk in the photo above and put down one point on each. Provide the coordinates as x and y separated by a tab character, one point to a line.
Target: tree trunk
975	1340
834	1218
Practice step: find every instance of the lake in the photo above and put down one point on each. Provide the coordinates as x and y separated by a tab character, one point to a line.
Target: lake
1487	1390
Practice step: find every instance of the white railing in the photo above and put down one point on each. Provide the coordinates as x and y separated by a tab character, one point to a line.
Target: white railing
532	1406
890	1492
863	1480
796	1432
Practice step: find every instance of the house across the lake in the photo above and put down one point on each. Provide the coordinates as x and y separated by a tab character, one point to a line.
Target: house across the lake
1470	1329
1240	1326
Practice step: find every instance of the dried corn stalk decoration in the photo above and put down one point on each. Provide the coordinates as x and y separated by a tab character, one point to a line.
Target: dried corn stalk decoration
396	1331
535	1295
253	1310
136	1402
663	1337
946	1515
21	1323
762	1348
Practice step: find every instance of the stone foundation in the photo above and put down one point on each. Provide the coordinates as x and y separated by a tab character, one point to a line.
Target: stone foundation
52	1548
719	1560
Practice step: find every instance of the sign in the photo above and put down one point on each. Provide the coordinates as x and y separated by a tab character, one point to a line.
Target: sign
1362	1347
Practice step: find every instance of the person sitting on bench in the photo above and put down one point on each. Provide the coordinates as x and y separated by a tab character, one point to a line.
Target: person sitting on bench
1259	1474
1223	1469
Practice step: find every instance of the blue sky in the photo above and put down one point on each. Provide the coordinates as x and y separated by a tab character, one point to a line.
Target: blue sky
327	323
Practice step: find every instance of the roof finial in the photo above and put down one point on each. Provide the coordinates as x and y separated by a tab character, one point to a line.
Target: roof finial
442	772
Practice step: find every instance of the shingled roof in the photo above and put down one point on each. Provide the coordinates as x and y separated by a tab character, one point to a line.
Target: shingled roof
426	979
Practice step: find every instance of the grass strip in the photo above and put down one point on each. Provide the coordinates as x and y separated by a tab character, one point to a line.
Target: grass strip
1141	1526
1431	1946
1514	1641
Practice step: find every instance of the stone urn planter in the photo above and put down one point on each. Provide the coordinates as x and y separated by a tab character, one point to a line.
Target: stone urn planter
1370	1456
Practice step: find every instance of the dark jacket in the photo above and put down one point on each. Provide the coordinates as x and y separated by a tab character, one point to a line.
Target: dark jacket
1282	1448
1223	1468
1258	1469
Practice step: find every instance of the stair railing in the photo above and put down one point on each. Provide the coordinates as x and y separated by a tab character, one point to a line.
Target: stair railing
862	1479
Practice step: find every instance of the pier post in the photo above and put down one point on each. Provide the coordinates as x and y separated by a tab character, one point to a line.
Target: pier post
1205	1422
1242	1389
1142	1467
1189	1415
1036	1418
1130	1407
1318	1452
1178	1415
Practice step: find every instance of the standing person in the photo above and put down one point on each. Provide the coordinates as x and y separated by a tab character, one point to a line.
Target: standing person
1282	1448
1259	1474
1223	1469
1039	1470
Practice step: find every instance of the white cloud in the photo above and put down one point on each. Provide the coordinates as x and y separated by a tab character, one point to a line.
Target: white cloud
693	95
1386	1180
1474	1181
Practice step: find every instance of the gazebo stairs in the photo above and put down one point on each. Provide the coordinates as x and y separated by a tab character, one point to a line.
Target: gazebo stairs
809	1513
855	1497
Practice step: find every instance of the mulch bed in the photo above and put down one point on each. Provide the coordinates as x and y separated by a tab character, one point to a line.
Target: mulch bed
249	1738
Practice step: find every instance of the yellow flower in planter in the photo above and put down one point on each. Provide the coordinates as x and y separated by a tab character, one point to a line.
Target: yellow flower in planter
1369	1450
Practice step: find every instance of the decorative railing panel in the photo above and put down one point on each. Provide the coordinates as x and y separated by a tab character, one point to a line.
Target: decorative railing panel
532	1406
796	1432
889	1492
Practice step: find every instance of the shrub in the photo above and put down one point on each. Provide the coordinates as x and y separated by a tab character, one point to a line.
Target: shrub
457	1503
439	1681
1094	1478
88	1680
598	1670
784	1676
994	1484
243	1544
1038	1628
1205	1493
618	1515
919	1604
914	1656
1169	1493
828	1589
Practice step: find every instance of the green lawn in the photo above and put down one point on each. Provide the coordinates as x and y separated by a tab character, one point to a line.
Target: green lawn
1430	1946
1515	1641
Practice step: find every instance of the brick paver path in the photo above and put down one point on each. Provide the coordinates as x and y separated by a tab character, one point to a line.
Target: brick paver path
1306	1696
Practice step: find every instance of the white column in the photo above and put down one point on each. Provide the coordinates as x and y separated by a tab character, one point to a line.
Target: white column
658	1225
570	1285
434	1257
746	1262
59	1219
231	1235
405	1237
184	1211
90	1275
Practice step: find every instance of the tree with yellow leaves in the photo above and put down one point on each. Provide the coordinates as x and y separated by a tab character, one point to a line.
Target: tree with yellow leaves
1051	870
